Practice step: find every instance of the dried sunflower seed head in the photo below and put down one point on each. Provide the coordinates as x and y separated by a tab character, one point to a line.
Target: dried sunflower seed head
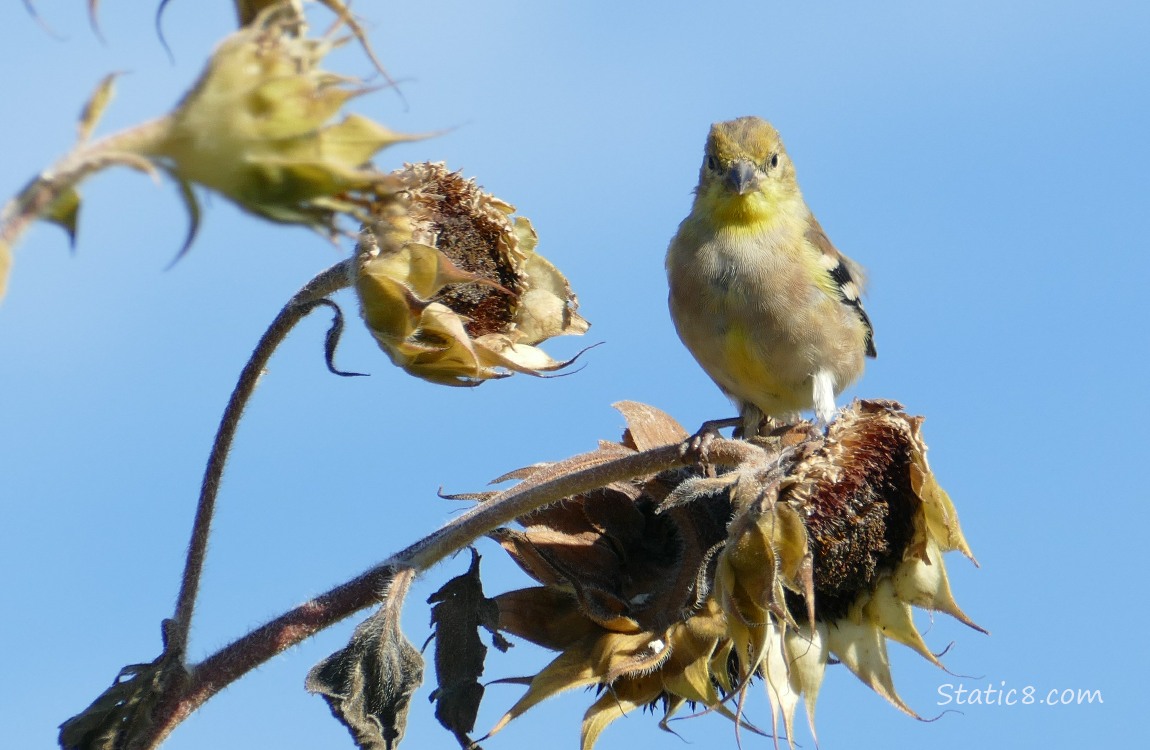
450	284
682	589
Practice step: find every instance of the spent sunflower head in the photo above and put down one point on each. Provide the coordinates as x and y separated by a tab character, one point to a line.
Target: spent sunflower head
684	588
450	284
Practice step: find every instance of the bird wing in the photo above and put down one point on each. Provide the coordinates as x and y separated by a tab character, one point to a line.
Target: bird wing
846	275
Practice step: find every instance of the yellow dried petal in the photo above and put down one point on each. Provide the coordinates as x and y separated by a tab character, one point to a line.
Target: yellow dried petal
776	673
544	309
498	350
388	307
862	649
616	702
924	583
693	683
807	652
746	613
64	213
687	671
752	561
788	536
941	517
719	664
421	268
617	654
571	669
456	357
895	619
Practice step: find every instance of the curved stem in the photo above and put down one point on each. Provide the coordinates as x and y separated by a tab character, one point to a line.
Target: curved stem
327	282
571	477
38	196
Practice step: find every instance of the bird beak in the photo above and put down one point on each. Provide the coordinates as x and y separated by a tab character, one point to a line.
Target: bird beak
741	177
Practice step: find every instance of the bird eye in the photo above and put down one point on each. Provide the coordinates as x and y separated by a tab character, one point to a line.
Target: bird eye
774	160
712	163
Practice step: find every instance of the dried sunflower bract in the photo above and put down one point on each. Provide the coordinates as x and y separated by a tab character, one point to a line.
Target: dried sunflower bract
450	284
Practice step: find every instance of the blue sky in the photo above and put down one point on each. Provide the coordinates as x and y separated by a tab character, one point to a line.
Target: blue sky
987	162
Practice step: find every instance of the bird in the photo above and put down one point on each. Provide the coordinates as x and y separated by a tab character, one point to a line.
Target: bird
768	307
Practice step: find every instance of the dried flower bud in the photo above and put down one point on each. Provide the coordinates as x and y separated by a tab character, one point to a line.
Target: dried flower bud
255	128
451	286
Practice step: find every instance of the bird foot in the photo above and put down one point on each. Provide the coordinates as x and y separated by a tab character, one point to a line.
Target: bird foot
697	447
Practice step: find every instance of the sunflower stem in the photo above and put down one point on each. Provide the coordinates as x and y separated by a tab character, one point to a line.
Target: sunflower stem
327	282
576	475
36	198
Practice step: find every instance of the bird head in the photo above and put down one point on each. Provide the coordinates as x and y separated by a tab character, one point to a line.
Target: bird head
746	173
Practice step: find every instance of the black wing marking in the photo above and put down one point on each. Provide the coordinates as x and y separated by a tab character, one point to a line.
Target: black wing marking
846	274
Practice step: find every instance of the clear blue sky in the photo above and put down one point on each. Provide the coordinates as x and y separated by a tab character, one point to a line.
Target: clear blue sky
986	161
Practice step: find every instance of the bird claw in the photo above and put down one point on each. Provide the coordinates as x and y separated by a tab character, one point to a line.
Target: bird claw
697	448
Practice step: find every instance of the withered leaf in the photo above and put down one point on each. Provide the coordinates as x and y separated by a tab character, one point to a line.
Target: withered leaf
460	609
546	616
368	684
123	712
648	427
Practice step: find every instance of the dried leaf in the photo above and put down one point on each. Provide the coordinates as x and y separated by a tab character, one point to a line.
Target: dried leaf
545	616
648	427
124	711
368	685
460	609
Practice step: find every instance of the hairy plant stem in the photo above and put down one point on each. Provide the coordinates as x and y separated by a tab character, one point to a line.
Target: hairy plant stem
331	280
37	197
578	474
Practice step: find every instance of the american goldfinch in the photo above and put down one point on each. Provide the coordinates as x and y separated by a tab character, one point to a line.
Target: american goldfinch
759	295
